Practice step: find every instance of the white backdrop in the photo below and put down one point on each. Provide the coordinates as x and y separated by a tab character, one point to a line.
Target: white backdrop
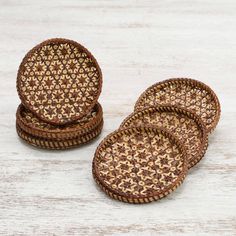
136	43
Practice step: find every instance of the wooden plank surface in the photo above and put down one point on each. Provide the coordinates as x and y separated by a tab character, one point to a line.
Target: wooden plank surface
137	43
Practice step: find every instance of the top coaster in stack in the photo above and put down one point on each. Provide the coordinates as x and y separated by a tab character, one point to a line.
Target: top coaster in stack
186	93
59	81
139	164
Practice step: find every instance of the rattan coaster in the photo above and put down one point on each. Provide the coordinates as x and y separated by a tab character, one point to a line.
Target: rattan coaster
36	127
139	164
185	125
59	81
59	144
186	93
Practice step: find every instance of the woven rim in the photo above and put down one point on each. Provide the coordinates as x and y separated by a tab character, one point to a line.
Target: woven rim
170	108
118	195
69	133
58	41
59	144
190	82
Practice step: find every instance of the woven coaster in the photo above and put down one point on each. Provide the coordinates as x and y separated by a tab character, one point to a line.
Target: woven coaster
139	164
185	125
59	81
59	144
186	93
36	127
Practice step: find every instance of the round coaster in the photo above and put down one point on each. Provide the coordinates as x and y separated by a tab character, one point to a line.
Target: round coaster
139	164
186	93
59	81
32	125
185	125
59	144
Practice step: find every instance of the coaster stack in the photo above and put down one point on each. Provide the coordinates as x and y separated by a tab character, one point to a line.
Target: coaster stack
167	134
59	82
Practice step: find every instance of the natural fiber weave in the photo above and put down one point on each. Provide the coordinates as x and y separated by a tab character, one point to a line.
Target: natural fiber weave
139	164
186	126
36	127
185	93
59	81
59	144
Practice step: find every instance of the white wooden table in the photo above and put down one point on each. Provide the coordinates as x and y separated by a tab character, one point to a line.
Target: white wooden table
136	43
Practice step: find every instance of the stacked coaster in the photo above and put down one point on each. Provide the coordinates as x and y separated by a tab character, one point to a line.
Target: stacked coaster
59	82
149	155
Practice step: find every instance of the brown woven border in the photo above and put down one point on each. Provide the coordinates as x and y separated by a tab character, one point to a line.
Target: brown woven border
59	144
118	195
170	108
29	54
191	82
59	134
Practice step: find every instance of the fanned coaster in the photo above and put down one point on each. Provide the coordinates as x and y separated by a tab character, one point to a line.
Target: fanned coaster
59	144
186	93
139	164
186	126
59	81
36	127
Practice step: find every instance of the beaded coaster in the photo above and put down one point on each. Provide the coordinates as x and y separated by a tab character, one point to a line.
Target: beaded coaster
59	81
186	93
139	164
36	127
59	144
186	126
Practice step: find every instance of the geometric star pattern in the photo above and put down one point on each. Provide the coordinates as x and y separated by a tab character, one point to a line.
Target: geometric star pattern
59	81
183	124
139	163
185	93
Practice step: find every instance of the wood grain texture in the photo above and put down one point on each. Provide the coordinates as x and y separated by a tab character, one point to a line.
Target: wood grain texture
136	43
